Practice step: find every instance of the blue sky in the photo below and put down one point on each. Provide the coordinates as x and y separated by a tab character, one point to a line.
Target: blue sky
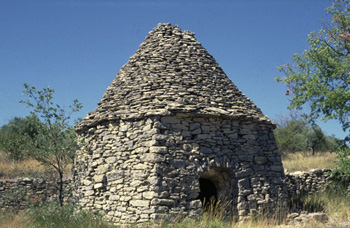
77	46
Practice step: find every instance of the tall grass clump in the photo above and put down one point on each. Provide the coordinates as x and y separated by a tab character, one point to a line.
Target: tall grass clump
219	215
10	219
307	202
216	214
52	215
337	202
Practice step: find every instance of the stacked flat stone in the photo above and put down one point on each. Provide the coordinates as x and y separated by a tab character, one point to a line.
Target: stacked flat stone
172	73
301	182
170	118
22	193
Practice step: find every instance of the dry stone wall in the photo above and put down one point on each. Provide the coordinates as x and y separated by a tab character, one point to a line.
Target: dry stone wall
113	173
141	170
19	194
299	183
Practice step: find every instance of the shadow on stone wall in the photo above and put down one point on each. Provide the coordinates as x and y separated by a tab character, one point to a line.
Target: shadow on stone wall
18	194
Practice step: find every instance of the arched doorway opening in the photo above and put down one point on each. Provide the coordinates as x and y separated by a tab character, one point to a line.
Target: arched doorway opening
208	192
215	186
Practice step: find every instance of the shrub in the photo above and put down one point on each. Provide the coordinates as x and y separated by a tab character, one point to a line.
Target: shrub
51	215
342	172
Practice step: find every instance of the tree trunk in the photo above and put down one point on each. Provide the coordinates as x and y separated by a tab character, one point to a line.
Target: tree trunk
312	151
60	194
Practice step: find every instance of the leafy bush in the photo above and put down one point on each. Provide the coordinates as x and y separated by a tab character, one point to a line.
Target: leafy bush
342	172
15	136
51	215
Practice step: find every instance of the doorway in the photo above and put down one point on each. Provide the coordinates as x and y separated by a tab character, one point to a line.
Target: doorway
208	192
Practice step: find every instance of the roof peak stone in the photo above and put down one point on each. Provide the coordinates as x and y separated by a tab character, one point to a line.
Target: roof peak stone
171	73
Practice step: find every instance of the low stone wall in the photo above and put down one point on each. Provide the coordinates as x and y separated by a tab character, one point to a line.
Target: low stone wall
18	194
307	182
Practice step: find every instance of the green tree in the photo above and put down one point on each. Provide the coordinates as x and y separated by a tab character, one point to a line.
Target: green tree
296	133
290	137
315	139
320	76
55	143
15	136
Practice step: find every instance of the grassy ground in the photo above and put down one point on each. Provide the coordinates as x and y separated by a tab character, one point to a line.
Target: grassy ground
305	162
26	168
336	205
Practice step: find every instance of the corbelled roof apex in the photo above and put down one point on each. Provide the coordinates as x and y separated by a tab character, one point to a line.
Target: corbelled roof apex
169	27
171	73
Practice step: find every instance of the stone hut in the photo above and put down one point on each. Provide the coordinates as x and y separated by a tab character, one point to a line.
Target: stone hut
172	132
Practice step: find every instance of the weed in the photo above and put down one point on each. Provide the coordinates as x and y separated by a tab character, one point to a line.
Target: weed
51	215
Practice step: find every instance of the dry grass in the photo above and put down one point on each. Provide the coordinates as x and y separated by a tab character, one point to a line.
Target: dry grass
336	205
305	162
11	220
26	168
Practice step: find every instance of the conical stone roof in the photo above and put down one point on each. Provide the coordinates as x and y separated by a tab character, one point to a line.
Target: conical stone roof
172	73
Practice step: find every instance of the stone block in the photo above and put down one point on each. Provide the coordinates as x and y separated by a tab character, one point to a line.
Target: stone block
193	204
260	160
139	203
244	173
98	178
97	186
163	202
247	158
102	169
244	131
194	126
114	197
152	158
244	183
87	182
170	119
180	126
203	136
277	168
89	193
206	150
115	175
149	195
158	149
140	166
205	129
123	128
196	131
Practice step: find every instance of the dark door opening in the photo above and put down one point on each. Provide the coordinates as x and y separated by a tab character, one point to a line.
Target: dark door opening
208	193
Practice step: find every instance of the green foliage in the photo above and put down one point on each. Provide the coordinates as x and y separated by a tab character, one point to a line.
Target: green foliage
290	138
315	139
320	76
55	143
343	164
53	216
296	134
17	134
